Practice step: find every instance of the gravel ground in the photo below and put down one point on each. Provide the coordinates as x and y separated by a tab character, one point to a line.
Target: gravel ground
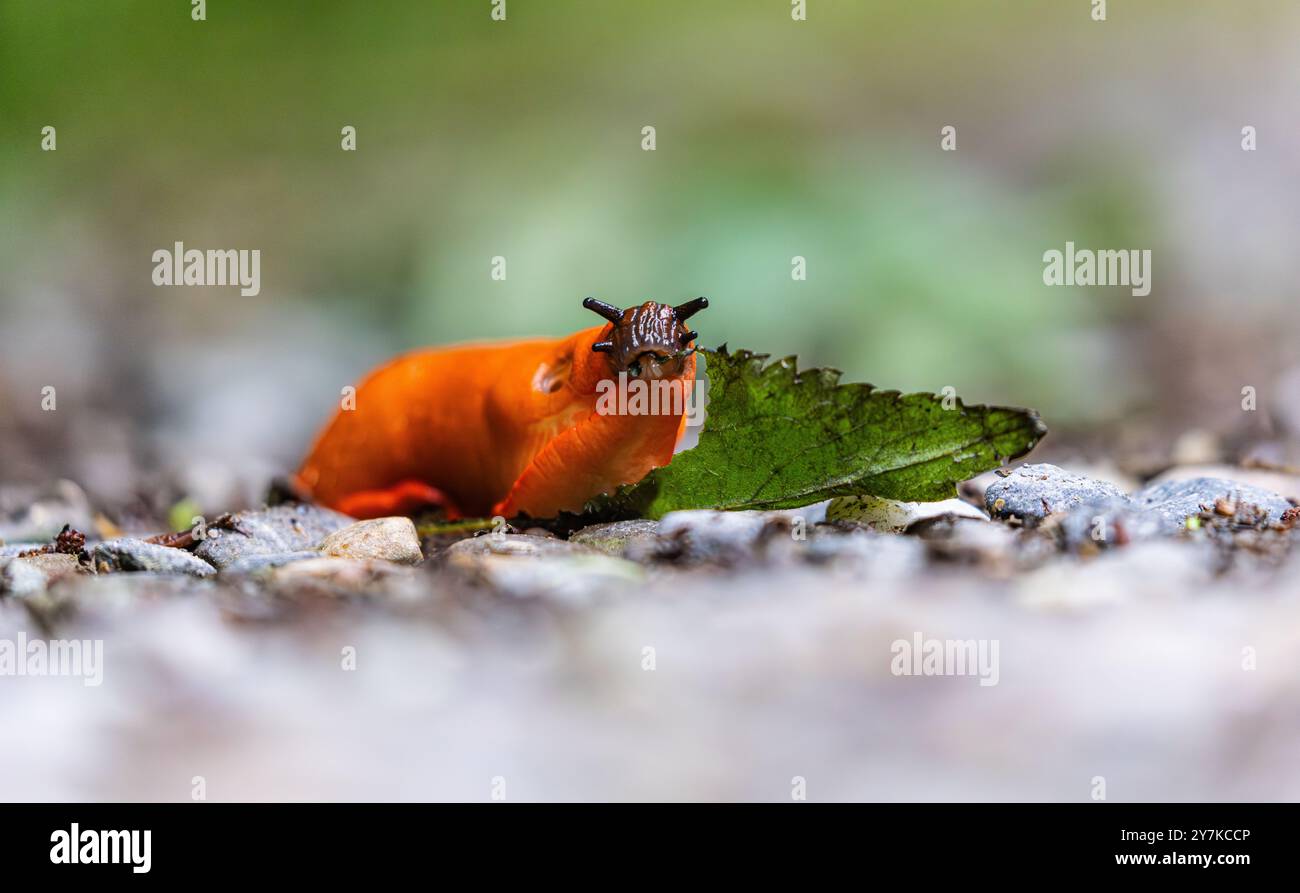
710	656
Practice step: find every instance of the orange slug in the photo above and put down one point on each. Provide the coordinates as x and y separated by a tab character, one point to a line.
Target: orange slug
508	428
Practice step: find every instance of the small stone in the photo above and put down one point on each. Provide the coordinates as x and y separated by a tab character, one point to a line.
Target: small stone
892	516
55	565
1106	524
387	539
32	575
871	554
522	566
274	531
730	537
1174	501
573	580
465	551
13	550
348	575
968	540
258	564
20	578
129	555
616	538
1283	484
1032	492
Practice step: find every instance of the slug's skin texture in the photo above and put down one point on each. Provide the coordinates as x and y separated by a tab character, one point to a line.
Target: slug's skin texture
508	428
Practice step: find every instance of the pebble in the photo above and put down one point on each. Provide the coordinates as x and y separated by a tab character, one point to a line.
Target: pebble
968	540
127	554
351	575
617	538
1107	523
387	539
1173	501
518	545
257	564
1285	485
19	578
1032	492
572	580
891	516
706	535
273	531
13	550
523	566
30	576
876	555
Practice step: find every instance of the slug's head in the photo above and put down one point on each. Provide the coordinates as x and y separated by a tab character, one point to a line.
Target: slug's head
649	342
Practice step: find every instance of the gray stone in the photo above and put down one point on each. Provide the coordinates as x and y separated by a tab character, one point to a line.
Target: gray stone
273	531
342	575
13	550
258	564
969	540
724	537
1285	485
872	554
387	539
128	554
522	566
29	576
1032	492
19	578
572	580
1107	523
516	545
616	538
112	596
890	515
1176	500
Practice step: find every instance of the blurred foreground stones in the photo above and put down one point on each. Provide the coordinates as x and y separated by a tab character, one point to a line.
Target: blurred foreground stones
1149	637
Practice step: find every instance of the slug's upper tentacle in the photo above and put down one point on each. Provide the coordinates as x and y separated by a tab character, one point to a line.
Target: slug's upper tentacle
609	311
690	308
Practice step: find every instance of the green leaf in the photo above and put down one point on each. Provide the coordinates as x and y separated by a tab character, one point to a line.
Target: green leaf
776	438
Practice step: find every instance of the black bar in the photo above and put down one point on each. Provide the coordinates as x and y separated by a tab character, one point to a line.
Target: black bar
214	841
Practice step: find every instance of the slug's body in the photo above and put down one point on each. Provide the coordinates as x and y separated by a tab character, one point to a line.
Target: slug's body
506	429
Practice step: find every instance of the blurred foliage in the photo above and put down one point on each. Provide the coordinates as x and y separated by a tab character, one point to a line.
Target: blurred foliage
522	139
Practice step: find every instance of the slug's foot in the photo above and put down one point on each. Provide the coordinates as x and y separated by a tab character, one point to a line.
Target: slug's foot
406	498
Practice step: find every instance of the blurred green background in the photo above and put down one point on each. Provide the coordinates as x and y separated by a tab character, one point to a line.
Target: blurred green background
522	138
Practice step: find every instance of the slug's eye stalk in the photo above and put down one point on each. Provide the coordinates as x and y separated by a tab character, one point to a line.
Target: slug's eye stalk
609	311
687	337
603	347
685	311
